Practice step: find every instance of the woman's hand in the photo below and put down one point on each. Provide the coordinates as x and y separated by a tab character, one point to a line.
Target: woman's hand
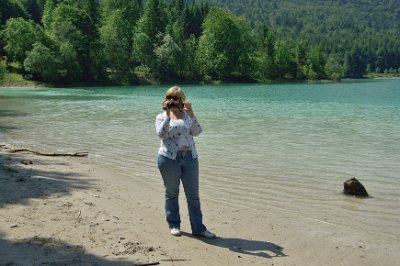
165	105
187	107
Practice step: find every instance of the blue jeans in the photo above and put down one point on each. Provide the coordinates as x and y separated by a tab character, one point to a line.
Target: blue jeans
184	168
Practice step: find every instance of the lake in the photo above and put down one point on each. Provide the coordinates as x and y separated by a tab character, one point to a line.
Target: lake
263	146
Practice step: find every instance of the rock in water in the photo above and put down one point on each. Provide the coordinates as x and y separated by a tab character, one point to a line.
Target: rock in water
355	188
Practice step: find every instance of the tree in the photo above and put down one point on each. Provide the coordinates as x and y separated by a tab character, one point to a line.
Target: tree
147	33
333	68
19	36
195	16
42	61
284	63
223	45
2	68
167	57
34	8
11	9
267	66
189	52
119	19
57	63
143	49
73	25
354	65
316	64
49	7
153	20
68	68
301	59
116	42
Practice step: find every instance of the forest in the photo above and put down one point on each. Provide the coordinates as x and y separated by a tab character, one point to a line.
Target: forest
154	41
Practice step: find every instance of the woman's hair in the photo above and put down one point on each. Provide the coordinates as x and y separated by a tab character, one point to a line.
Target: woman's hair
175	90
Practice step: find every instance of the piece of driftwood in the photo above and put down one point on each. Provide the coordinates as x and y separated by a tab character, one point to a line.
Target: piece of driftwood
172	260
148	264
76	154
354	187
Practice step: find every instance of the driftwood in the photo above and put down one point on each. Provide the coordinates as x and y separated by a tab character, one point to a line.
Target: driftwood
172	260
77	154
148	264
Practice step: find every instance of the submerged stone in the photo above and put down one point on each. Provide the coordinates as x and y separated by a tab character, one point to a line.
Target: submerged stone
355	188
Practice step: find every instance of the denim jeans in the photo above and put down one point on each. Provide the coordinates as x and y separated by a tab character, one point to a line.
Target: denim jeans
184	168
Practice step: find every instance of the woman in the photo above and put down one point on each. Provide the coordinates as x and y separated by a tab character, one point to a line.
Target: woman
177	160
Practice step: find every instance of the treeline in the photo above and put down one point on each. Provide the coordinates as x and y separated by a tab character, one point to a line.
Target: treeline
132	41
363	34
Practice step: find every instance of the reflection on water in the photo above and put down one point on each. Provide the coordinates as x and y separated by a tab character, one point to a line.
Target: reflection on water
289	147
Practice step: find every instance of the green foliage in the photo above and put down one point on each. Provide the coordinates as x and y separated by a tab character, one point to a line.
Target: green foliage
266	68
153	20
337	26
19	36
55	64
224	45
167	58
142	51
118	22
34	8
149	33
333	68
354	65
315	64
123	41
2	68
283	60
43	62
11	9
68	23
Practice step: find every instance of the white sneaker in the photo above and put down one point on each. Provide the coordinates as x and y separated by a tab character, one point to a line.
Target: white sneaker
207	234
175	232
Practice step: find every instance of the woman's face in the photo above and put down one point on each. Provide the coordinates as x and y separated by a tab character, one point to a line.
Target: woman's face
174	98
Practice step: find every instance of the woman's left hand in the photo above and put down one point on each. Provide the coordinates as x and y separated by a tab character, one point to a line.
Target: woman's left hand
188	108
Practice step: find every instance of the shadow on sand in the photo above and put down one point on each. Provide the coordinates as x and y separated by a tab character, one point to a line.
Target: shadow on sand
19	184
258	248
50	251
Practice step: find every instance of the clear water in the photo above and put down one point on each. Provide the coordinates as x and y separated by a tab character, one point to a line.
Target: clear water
286	146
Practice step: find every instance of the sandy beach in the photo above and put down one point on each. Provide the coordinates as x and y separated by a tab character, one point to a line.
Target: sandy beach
69	211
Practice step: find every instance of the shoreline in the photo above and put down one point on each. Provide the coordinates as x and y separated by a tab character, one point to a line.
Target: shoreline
49	86
23	83
67	210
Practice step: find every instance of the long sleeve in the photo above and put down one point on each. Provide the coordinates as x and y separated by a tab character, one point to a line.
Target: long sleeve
162	126
195	127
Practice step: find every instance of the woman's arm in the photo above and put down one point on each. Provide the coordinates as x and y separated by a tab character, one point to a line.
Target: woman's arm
162	126
195	127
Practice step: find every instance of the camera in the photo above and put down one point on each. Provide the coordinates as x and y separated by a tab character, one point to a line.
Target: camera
173	105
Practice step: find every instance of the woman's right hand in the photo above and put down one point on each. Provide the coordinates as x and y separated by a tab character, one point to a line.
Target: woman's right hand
165	104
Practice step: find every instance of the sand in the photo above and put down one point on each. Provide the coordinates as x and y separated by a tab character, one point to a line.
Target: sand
69	211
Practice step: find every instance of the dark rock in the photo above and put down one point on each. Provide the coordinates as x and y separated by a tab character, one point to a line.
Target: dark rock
355	188
26	162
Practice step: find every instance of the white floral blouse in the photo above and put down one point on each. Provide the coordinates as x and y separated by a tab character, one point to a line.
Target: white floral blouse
171	134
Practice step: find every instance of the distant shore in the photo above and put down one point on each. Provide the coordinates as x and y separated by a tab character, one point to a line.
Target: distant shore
14	80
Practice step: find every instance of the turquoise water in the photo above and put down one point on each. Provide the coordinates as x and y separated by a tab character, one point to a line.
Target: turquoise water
288	146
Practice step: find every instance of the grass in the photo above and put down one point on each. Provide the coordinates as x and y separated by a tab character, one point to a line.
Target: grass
16	80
